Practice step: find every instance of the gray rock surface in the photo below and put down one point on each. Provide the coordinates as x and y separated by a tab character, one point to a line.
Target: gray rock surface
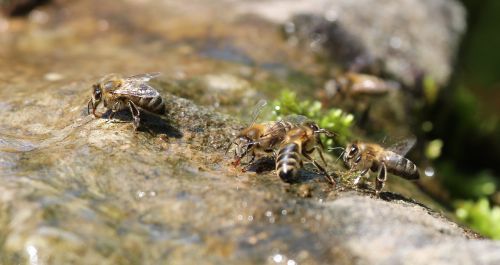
404	38
79	190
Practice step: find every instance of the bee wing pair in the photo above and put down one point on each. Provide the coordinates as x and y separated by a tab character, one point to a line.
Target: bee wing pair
403	147
137	86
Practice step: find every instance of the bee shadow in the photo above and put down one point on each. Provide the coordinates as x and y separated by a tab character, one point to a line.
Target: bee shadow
267	164
151	123
261	165
390	196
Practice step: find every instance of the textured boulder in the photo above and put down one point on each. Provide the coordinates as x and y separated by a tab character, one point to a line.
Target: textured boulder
405	39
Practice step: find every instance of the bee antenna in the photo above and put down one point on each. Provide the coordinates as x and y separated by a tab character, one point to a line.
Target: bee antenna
341	154
335	148
326	132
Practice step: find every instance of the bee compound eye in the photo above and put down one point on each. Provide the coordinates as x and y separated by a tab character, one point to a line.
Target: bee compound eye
353	151
314	127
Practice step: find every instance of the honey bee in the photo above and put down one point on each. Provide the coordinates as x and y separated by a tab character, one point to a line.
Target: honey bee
363	157
300	141
131	92
353	84
263	138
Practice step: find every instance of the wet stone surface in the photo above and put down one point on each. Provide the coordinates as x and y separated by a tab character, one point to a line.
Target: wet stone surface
403	39
79	190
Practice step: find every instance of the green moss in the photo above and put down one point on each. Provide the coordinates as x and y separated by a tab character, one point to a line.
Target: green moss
481	216
335	120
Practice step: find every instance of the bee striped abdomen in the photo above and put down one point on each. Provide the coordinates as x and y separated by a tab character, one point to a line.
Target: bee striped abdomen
155	105
403	167
288	162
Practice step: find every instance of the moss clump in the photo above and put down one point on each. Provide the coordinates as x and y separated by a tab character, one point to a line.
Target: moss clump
481	216
335	120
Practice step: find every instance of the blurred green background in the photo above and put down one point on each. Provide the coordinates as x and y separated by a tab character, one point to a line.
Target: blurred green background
465	119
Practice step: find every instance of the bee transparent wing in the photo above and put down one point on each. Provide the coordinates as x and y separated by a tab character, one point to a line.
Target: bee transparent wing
137	89
276	129
258	109
279	126
142	77
296	119
403	147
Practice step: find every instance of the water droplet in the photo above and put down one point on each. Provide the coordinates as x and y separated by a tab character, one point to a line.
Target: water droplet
283	212
429	172
250	218
140	194
269	213
32	254
291	262
278	258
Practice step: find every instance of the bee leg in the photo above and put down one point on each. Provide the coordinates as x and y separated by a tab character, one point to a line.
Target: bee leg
381	178
114	109
357	180
320	168
249	163
329	178
135	114
91	105
321	155
236	162
113	112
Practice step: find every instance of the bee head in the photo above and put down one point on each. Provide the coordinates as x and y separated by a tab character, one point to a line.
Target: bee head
352	155
95	99
243	145
317	130
96	92
313	126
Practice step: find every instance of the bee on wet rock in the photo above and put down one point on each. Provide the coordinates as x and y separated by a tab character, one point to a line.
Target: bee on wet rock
133	93
300	142
363	157
353	84
263	138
